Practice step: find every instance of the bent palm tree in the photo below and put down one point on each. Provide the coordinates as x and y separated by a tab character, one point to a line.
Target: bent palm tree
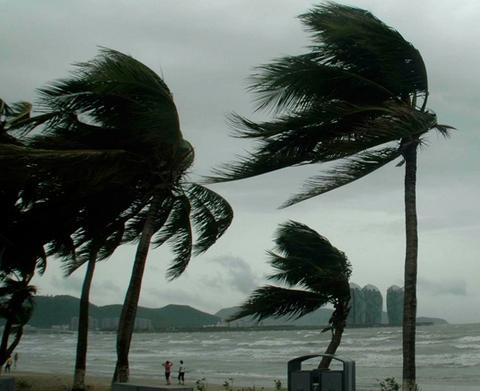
117	107
170	218
359	96
316	274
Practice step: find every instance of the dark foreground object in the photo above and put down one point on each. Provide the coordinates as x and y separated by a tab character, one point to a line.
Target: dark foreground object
145	387
7	384
320	379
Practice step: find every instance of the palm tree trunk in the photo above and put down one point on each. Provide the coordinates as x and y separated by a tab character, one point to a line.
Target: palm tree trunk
83	323
129	309
16	340
7	329
410	299
339	321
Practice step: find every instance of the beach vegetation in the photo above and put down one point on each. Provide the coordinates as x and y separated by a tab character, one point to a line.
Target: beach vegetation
201	384
389	384
358	98
16	307
114	121
315	274
278	385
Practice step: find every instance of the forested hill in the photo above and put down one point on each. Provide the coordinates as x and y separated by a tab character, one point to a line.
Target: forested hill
61	311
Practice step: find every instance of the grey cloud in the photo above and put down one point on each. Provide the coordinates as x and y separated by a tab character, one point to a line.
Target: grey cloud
236	274
108	288
455	287
156	298
71	285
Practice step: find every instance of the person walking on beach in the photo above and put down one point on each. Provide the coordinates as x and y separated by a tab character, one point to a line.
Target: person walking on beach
8	364
181	373
168	370
15	359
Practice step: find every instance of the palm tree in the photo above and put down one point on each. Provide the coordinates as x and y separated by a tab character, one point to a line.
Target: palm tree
358	96
16	307
189	206
315	272
121	118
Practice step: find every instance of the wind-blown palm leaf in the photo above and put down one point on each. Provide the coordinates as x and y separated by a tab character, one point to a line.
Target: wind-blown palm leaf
273	301
352	169
211	215
335	132
305	258
287	84
354	39
98	167
178	232
136	222
116	92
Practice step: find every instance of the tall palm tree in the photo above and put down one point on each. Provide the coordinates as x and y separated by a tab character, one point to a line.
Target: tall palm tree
357	96
315	272
120	116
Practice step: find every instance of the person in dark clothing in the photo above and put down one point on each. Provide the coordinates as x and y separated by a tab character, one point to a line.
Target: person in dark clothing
181	373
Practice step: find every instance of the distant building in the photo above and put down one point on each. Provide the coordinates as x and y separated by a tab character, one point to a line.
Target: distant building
373	305
109	324
143	324
92	323
356	316
395	305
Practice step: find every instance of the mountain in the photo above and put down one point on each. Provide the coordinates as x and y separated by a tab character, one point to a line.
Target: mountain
62	310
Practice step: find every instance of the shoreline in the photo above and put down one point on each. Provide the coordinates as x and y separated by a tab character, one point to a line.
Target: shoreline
35	381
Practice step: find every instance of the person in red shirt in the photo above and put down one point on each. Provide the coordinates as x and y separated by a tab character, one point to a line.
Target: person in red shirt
168	370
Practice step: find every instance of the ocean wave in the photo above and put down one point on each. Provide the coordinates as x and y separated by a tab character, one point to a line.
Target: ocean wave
469	339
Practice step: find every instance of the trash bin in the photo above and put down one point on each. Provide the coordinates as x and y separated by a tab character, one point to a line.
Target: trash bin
320	379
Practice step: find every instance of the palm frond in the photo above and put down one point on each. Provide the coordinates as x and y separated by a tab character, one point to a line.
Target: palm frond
355	40
304	257
324	134
273	301
351	170
211	215
137	220
296	83
114	91
177	232
444	129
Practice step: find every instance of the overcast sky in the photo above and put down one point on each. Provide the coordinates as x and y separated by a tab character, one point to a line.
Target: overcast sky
205	50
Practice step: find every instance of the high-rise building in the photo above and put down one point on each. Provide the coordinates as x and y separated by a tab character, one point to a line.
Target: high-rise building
356	316
373	305
395	305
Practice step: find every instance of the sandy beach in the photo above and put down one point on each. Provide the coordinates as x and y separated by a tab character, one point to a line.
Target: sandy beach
31	381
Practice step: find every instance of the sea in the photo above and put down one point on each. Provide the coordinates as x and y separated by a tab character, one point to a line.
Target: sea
448	356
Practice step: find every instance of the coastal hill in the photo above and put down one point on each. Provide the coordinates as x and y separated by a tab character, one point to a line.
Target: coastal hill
61	312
